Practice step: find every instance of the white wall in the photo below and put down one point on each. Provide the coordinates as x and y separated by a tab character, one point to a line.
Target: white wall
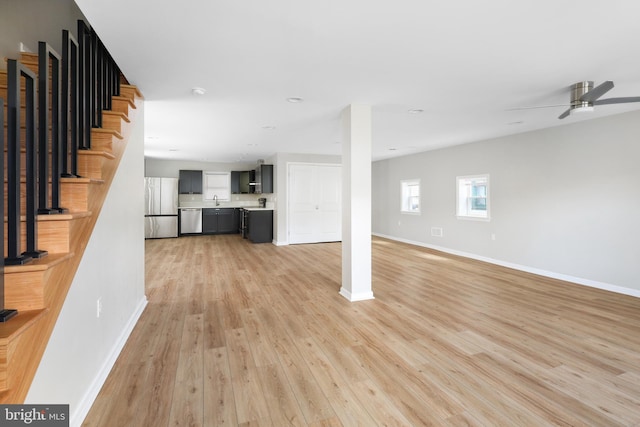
83	348
280	175
564	201
31	21
171	168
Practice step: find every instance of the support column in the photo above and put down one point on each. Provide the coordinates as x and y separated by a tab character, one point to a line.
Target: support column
356	203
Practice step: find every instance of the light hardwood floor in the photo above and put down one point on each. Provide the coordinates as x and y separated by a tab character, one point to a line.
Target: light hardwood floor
257	335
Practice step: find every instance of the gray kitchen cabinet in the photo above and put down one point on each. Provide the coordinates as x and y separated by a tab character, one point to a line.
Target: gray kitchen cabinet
190	182
219	221
260	226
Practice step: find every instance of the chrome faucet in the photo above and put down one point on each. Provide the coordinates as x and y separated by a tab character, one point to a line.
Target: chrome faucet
215	199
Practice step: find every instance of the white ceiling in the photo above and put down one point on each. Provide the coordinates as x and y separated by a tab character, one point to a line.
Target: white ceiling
464	62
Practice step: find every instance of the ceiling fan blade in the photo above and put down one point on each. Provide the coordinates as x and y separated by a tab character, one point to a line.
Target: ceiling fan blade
617	100
565	114
536	107
597	92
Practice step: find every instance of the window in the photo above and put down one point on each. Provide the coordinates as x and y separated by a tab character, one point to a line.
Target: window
473	197
410	190
217	184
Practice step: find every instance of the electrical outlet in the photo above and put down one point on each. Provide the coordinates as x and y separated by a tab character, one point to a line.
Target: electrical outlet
98	307
436	231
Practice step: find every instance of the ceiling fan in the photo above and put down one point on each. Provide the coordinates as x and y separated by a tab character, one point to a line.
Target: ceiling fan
584	97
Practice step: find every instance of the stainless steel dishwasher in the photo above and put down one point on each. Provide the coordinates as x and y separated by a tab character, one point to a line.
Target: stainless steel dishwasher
190	221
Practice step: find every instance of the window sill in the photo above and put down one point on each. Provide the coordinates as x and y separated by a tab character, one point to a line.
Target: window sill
473	218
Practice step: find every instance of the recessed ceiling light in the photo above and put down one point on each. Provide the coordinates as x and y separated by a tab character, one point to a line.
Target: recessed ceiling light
252	145
415	111
392	149
268	127
516	123
173	149
198	91
294	99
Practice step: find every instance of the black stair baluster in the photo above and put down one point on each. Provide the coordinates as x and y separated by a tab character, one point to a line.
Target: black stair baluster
5	313
69	106
15	71
32	132
95	72
49	95
84	86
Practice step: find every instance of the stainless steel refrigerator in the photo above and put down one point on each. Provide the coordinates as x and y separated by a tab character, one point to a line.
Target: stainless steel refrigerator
161	207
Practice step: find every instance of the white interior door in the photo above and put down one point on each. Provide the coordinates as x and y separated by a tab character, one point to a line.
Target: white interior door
315	203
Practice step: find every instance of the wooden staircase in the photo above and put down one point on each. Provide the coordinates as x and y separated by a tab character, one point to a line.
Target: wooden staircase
38	289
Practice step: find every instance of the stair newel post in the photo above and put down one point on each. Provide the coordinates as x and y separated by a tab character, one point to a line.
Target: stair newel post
15	72
69	106
5	314
49	95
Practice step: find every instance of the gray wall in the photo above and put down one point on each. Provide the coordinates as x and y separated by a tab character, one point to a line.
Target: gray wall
564	201
171	168
31	21
83	348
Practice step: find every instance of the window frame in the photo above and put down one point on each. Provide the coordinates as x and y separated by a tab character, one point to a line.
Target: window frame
405	198
224	195
464	202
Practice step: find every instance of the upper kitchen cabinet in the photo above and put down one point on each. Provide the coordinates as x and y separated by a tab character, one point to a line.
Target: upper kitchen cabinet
264	179
240	182
190	182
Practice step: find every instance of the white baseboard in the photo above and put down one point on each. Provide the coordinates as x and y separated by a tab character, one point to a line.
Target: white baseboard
363	296
539	272
78	414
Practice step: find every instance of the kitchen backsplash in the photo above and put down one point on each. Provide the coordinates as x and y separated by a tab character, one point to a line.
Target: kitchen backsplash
237	200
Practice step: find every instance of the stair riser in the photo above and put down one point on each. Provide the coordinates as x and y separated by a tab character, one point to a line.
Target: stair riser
90	166
23	160
100	140
25	291
109	121
52	235
121	105
73	196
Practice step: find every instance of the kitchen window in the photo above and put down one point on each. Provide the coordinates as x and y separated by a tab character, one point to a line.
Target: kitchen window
473	197
217	185
410	195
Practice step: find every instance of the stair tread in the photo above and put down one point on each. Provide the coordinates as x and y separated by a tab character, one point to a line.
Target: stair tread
38	264
132	87
12	329
92	152
124	98
111	131
78	180
123	116
68	216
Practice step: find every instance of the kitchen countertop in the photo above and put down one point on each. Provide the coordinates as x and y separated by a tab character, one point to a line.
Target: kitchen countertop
249	208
